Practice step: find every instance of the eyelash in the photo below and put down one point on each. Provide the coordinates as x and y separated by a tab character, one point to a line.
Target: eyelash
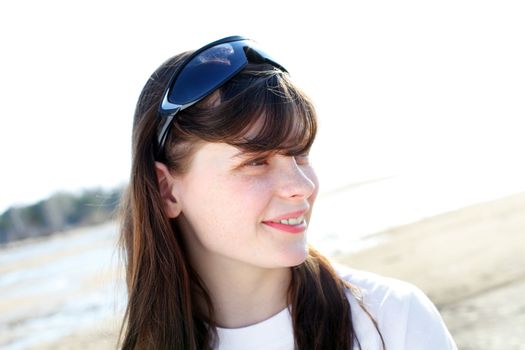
257	162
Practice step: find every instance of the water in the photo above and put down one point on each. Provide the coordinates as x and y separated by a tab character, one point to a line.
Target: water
346	217
54	287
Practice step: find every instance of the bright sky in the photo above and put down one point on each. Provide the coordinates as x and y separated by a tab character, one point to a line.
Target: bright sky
401	86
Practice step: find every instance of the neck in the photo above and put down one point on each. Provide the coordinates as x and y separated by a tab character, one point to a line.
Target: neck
243	294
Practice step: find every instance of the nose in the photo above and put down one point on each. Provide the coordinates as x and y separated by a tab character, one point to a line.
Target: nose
295	181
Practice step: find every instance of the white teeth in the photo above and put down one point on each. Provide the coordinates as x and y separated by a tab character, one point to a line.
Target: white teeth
292	221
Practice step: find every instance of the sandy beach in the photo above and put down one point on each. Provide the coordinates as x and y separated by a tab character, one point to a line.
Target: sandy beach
470	262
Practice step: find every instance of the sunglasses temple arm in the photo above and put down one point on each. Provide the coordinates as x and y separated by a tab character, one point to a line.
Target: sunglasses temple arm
163	132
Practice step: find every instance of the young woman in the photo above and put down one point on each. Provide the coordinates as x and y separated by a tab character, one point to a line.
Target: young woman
215	220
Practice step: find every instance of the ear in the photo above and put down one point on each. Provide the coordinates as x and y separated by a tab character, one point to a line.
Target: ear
166	188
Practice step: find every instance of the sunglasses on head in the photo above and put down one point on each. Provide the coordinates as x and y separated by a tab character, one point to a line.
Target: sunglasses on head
206	70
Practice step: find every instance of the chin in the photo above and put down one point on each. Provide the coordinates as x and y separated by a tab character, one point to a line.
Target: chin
295	258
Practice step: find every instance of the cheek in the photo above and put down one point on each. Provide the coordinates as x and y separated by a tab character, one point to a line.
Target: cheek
245	200
220	206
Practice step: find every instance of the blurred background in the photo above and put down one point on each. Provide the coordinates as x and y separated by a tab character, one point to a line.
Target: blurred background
419	152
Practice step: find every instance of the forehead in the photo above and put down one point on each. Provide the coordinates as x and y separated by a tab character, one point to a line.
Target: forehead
212	154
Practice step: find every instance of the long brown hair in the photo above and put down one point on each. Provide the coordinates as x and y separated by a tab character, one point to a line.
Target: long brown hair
162	310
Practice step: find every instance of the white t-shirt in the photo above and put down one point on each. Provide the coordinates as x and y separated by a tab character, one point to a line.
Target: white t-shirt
406	318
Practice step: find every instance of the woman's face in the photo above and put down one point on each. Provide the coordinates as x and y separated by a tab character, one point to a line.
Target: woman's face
233	203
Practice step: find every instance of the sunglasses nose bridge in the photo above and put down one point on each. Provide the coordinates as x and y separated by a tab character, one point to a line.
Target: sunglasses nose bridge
253	55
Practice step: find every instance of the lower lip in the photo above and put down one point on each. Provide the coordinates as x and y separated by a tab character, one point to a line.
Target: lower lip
288	228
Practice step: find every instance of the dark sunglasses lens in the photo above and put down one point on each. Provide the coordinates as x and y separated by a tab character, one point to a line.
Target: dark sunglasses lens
207	71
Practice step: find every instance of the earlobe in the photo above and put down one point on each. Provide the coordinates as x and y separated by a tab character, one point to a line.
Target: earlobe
166	183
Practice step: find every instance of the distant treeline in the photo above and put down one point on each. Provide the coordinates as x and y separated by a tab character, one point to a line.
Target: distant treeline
60	212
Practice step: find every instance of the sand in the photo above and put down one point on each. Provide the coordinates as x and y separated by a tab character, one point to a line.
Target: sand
470	262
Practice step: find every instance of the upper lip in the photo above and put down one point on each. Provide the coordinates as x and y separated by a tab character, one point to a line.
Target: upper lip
293	214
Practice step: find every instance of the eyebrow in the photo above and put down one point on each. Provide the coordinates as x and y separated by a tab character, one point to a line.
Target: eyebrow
245	153
241	153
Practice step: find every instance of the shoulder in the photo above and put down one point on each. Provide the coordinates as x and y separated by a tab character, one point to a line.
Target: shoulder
405	316
376	286
382	294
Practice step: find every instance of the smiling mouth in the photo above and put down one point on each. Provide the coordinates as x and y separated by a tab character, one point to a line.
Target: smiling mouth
293	225
290	221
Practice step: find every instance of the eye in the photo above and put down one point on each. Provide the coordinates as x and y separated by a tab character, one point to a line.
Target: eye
258	162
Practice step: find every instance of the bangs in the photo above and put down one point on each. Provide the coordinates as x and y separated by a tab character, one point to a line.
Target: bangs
279	119
258	111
